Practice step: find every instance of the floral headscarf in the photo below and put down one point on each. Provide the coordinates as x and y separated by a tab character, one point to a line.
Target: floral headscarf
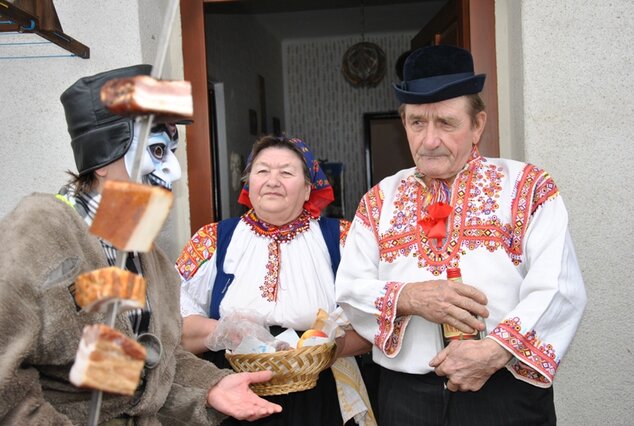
321	193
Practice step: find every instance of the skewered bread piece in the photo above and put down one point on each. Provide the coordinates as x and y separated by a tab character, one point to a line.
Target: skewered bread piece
142	95
95	288
107	360
131	215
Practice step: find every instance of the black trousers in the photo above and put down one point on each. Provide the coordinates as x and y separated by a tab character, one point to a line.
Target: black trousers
417	400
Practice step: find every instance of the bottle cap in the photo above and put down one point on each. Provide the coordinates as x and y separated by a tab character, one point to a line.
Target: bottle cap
453	273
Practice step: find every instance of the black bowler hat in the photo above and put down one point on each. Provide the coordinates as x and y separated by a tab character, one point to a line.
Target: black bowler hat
435	73
98	137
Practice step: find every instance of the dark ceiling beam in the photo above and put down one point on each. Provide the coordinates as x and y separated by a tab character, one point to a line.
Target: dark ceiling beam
39	17
278	6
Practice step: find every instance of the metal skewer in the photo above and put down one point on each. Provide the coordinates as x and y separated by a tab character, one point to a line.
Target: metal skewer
145	123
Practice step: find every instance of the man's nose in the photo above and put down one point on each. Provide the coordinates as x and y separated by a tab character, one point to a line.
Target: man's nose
431	136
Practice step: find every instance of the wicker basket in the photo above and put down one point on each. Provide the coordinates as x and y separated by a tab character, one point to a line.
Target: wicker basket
295	370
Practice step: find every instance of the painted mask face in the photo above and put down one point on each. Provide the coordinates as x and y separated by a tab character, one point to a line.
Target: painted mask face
159	165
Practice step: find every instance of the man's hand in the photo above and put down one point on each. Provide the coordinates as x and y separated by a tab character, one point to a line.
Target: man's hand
444	301
468	364
233	397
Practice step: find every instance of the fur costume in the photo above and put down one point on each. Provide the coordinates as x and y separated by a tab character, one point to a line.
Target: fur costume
46	244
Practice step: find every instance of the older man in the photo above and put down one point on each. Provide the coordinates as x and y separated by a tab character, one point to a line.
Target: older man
503	223
46	245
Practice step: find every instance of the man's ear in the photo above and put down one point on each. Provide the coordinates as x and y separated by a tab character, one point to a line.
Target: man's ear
480	122
102	172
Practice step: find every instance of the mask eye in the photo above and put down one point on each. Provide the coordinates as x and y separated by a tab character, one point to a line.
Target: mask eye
157	150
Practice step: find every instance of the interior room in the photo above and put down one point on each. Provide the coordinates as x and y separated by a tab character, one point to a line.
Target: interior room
288	73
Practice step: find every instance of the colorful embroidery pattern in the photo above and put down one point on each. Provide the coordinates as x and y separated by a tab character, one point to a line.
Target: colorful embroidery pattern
199	249
269	288
369	210
344	228
539	361
282	234
391	329
278	235
476	221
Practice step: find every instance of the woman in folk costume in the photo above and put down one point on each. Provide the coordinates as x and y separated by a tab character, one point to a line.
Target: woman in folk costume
278	259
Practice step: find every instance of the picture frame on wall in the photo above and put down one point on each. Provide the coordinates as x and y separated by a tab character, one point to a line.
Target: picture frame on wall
386	147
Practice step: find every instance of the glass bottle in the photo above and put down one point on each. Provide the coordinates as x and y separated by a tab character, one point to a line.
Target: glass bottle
449	333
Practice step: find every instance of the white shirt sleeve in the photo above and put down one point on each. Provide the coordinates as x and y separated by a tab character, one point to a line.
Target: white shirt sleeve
196	292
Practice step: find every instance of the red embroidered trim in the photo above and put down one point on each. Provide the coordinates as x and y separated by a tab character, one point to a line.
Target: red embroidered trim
282	234
369	211
271	280
533	188
391	329
278	235
474	222
199	249
344	229
539	359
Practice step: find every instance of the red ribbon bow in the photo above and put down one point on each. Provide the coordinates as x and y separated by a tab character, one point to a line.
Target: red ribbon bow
435	223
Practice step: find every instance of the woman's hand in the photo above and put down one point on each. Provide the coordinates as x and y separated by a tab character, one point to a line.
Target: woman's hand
233	397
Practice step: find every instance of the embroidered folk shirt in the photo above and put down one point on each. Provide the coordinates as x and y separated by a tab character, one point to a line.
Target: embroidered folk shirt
508	234
283	273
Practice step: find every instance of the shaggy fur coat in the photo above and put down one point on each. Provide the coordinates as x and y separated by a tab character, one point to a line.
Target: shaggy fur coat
45	246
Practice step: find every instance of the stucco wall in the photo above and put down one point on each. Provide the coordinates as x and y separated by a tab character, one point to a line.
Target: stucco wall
35	148
574	81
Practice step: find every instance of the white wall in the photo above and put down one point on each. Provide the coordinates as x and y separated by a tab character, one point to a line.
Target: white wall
35	149
568	66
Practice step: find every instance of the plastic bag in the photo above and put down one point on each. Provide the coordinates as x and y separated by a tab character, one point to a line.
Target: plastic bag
234	326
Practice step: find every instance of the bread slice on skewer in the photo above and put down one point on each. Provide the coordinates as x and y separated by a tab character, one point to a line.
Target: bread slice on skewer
168	100
95	289
108	361
130	215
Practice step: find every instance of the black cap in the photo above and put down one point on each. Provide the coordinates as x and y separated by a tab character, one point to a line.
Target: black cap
98	137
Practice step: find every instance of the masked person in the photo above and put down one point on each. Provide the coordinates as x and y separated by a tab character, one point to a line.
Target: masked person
503	223
47	244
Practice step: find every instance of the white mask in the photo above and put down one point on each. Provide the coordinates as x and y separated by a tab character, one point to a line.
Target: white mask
159	165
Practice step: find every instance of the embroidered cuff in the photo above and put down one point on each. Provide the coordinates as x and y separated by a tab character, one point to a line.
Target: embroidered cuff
391	328
534	361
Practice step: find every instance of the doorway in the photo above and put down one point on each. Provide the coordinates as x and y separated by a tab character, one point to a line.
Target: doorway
349	141
386	147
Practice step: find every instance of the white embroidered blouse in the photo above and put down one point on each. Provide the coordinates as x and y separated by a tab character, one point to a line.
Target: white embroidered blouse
508	234
284	273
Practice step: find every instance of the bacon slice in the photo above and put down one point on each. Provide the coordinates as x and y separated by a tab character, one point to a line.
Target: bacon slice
107	360
168	100
94	289
130	215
